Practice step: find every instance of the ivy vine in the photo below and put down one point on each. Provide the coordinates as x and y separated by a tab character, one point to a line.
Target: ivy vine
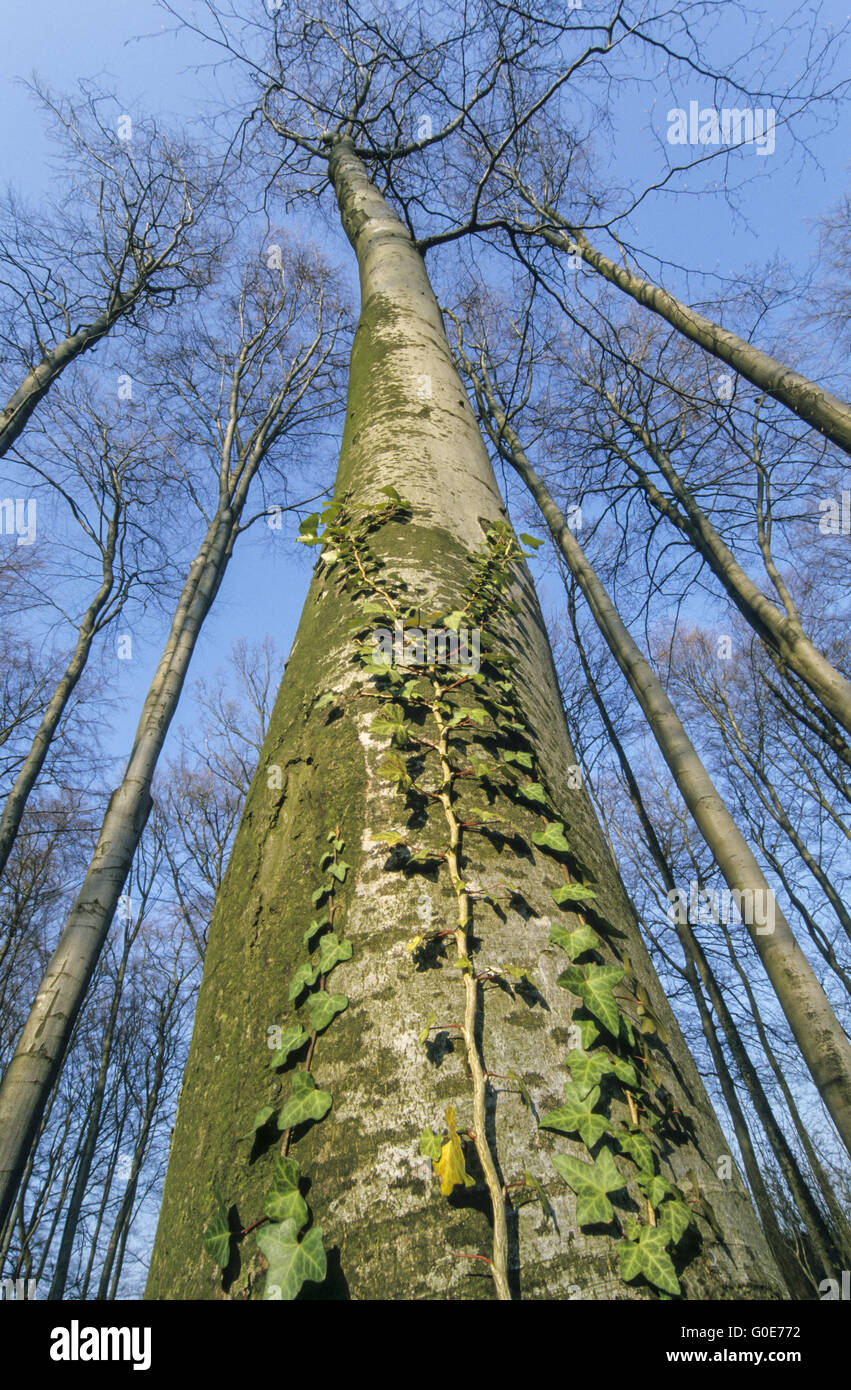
458	743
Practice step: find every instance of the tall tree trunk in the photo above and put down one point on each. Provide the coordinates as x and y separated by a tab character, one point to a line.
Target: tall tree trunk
389	1232
824	1045
44	1039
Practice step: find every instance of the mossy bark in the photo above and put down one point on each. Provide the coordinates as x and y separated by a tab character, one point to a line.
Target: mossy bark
389	1233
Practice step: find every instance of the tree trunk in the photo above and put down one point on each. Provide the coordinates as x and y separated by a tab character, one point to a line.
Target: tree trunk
825	412
389	1232
818	1033
44	1039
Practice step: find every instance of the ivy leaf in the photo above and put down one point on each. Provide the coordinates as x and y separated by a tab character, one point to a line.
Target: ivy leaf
306	975
575	1117
648	1256
594	984
639	1149
291	1039
305	1102
320	893
519	973
674	1219
261	1117
430	1145
332	951
577	942
291	1264
284	1201
650	1022
339	870
572	892
217	1233
588	1069
392	769
625	1072
454	620
533	791
533	541
522	759
424	1032
392	494
317	925
450	1166
552	838
654	1187
307	530
322	1007
588	1031
325	699
388	837
590	1182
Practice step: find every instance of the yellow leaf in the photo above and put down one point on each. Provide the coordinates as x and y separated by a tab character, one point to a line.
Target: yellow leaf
450	1166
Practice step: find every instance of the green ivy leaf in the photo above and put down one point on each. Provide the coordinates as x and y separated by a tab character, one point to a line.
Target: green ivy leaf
588	1069
339	870
332	951
552	838
577	942
654	1187
217	1233
317	925
625	1072
430	1144
284	1201
535	1187
533	791
426	1029
590	1182
261	1117
322	1007
305	1102
575	1117
594	985
522	759
674	1218
306	975
291	1039
588	1031
291	1264
648	1256
533	541
572	892
639	1149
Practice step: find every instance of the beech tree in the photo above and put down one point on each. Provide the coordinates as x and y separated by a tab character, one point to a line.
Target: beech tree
409	828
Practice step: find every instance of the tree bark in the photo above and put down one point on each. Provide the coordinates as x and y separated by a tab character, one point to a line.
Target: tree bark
824	1045
388	1231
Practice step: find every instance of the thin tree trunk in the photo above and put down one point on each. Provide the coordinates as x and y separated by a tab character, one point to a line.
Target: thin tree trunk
43	1042
842	1231
72	1217
13	810
809	401
388	1231
823	1043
